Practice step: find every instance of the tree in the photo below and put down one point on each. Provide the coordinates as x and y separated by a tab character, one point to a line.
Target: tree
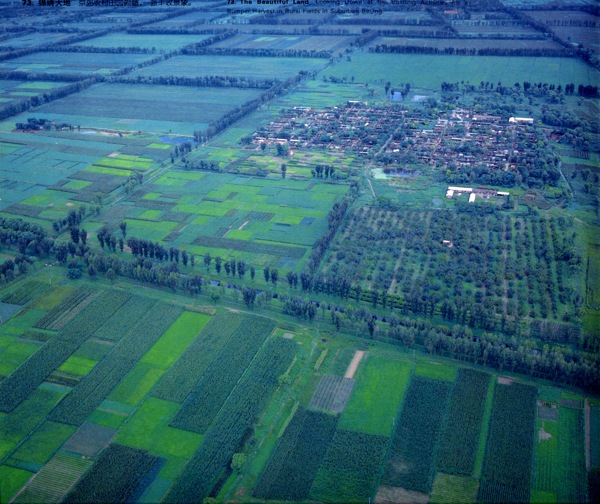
123	227
207	260
282	149
252	272
283	170
238	461
218	261
111	275
274	276
267	274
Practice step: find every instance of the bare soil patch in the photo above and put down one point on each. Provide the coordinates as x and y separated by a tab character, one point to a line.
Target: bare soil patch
398	495
504	381
358	355
243	225
288	335
543	435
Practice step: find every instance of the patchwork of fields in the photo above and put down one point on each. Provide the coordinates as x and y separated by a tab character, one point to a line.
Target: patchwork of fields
117	380
132	376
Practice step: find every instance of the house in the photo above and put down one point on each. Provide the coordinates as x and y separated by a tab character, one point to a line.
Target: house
521	120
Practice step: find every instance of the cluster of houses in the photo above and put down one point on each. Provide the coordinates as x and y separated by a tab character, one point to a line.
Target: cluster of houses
355	127
463	138
402	137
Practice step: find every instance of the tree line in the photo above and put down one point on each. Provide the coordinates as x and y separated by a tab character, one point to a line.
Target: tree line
472	51
259	53
201	81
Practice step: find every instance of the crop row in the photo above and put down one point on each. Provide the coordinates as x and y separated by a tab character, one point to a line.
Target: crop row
181	378
350	470
412	458
221	376
332	393
113	477
25	292
66	310
54	480
107	374
124	318
294	465
461	437
509	449
250	246
233	422
494	492
19	385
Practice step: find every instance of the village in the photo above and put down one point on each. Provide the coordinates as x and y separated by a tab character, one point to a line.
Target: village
399	140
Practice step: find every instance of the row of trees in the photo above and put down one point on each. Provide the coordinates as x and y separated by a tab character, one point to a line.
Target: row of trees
472	51
259	53
201	81
280	88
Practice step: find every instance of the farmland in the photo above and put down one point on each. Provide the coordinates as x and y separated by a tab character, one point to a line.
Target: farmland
238	66
131	411
234	265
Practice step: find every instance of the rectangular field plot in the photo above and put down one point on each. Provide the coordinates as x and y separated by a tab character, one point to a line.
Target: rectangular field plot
134	107
182	376
377	395
412	457
55	479
12	91
89	439
148	429
54	62
448	489
17	425
429	71
351	468
221	376
41	446
231	66
460	440
114	477
156	41
332	393
283	42
292	468
506	473
560	458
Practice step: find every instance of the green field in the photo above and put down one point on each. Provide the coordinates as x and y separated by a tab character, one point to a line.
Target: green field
429	71
156	42
232	66
135	366
52	63
376	397
182	110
